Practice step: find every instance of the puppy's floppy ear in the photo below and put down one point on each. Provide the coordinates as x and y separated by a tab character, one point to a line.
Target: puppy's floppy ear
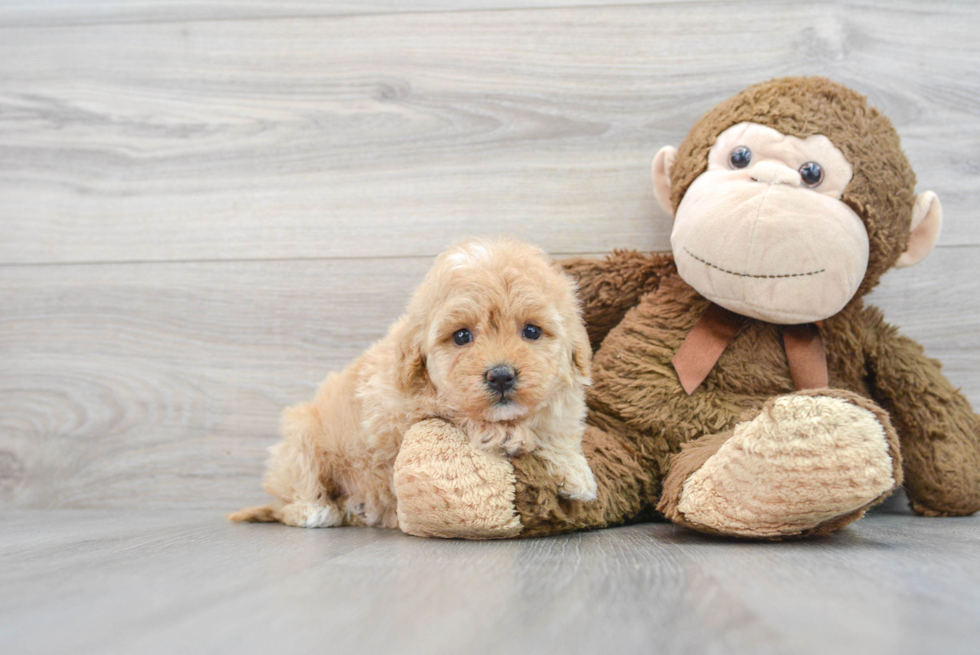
572	317
411	372
581	348
579	337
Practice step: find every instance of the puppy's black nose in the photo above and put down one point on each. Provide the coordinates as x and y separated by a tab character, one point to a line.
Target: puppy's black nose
501	378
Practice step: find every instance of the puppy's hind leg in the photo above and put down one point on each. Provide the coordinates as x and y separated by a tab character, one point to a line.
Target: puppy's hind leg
295	476
298	514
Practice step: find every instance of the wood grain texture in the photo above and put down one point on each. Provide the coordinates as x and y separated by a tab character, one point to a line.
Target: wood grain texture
386	135
103	582
161	384
155	385
44	13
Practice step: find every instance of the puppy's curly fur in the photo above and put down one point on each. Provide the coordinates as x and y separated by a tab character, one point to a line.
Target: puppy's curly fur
334	465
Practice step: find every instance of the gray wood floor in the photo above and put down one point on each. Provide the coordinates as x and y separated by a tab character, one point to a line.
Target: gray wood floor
117	581
205	206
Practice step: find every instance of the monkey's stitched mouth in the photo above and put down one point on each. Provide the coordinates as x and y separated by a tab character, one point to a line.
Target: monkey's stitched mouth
737	274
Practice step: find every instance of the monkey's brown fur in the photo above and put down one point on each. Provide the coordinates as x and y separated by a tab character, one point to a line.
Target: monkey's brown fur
639	311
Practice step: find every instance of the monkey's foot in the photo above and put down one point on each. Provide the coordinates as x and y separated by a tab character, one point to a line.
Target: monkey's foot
809	463
448	488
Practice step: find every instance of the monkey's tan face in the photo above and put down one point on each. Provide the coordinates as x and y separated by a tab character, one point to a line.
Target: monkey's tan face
763	231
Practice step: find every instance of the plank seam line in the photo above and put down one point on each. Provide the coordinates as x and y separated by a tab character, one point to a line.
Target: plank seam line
340	258
235	260
340	16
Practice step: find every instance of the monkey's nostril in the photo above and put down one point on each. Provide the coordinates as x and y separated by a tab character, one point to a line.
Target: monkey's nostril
501	378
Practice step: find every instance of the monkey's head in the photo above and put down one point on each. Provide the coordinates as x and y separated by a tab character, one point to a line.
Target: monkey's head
792	198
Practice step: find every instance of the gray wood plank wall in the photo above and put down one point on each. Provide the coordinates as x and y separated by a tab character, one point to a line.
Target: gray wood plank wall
205	206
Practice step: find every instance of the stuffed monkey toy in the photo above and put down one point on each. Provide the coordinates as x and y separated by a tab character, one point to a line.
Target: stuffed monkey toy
741	386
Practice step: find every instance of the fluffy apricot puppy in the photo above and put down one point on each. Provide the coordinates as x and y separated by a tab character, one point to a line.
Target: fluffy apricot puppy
492	341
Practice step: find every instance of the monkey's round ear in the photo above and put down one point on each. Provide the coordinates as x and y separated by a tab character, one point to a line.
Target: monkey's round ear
927	222
662	164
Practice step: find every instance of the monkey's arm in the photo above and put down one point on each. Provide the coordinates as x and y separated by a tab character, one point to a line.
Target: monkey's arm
609	287
939	432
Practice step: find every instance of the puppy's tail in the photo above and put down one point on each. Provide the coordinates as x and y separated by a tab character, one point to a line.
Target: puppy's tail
258	514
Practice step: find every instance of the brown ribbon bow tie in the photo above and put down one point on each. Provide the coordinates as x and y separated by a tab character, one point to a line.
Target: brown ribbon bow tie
717	327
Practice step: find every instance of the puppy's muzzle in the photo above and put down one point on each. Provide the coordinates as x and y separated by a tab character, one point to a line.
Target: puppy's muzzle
501	379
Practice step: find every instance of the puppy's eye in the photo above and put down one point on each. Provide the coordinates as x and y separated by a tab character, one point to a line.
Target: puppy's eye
532	332
462	337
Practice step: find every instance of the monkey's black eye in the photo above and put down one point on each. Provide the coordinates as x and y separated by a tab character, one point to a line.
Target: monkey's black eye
811	173
740	157
532	332
462	337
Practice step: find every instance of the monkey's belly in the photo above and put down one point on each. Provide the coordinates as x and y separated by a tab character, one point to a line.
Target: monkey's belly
634	380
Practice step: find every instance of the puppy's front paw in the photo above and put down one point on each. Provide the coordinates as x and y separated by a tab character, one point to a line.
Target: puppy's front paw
511	439
578	482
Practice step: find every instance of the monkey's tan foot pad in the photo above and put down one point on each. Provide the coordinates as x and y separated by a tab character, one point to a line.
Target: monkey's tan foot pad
447	488
807	464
